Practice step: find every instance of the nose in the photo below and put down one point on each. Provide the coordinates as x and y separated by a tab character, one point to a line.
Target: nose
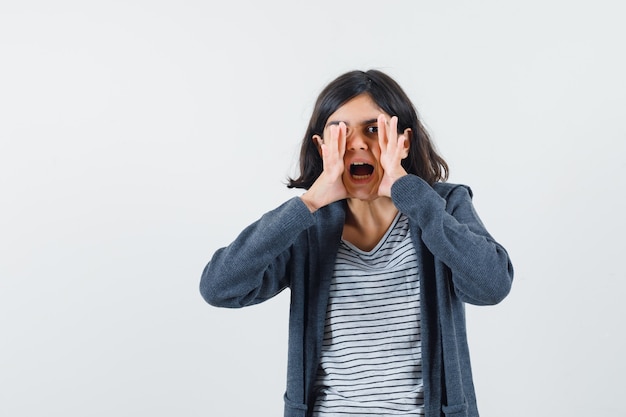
356	141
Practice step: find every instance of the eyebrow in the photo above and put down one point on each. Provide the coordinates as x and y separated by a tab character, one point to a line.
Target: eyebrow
365	122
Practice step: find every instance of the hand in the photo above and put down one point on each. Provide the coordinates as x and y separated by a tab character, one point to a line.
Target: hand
393	149
329	187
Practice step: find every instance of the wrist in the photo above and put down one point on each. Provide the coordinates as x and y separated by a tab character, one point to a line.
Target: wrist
306	199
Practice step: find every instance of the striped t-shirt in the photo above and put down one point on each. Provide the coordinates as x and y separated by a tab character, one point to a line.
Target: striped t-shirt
371	362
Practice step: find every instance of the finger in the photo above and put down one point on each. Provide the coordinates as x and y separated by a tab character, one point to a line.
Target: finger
393	125
392	134
334	134
334	146
341	139
381	123
324	143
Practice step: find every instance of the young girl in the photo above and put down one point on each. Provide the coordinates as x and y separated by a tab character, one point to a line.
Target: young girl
379	253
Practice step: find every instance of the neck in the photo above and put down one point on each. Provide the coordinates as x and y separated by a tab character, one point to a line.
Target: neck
364	211
368	221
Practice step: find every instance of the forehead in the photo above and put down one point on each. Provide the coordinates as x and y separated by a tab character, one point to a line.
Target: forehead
355	111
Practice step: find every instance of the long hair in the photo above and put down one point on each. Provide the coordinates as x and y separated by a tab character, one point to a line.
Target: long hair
423	159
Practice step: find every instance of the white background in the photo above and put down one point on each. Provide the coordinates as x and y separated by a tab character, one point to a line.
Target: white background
136	137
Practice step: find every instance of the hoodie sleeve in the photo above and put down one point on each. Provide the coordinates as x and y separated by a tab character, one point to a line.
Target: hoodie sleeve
480	267
254	266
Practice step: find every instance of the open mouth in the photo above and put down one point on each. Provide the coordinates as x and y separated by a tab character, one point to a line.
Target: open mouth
361	170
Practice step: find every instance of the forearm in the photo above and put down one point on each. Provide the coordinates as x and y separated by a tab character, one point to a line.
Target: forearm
253	267
452	231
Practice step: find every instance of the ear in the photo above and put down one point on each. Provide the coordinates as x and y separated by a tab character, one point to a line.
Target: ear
317	140
407	141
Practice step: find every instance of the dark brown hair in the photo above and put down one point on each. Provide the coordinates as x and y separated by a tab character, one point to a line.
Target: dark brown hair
423	160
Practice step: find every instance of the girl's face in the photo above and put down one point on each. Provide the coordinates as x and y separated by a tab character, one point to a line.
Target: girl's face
362	169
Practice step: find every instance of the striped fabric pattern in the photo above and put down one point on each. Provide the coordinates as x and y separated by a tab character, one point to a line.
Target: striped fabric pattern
371	354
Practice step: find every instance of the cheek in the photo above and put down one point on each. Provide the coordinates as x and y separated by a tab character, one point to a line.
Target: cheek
376	152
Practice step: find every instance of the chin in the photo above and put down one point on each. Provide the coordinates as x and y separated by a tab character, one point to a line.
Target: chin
362	189
363	195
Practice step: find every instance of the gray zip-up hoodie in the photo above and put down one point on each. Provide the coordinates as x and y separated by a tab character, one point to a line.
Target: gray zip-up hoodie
459	262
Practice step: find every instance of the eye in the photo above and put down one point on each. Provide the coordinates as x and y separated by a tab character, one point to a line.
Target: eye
373	129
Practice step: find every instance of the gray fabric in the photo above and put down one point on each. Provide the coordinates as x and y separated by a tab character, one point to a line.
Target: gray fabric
459	262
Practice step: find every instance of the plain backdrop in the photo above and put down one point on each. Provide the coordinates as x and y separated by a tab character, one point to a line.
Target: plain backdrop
137	137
